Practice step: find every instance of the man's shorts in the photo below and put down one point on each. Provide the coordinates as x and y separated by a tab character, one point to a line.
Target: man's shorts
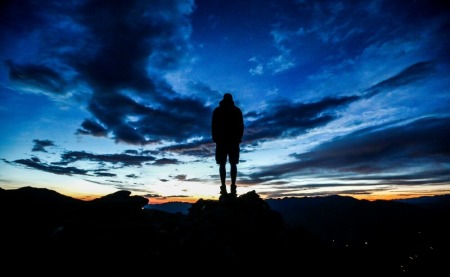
227	150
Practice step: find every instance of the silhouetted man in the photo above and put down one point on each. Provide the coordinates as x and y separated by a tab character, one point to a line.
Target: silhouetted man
227	129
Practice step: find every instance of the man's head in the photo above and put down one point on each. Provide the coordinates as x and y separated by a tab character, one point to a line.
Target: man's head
227	100
228	97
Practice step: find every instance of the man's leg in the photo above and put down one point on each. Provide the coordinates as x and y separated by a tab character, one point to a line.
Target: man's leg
222	172
233	174
234	160
221	160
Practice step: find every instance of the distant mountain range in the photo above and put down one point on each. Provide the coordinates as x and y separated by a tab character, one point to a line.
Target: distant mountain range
437	203
307	210
171	207
320	235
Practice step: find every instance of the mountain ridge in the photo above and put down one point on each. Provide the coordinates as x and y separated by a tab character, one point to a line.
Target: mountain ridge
423	201
321	235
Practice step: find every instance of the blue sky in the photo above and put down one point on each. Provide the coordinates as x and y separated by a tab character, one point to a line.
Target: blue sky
338	97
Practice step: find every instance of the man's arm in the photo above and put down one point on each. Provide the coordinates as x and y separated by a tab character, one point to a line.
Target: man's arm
241	126
214	126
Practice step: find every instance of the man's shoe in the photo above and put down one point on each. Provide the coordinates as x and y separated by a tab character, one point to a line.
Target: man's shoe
233	190
223	190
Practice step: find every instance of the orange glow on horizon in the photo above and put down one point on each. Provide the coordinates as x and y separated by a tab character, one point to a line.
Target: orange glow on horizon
389	197
193	199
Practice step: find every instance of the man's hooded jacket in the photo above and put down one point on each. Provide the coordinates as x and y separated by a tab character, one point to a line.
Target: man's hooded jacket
227	122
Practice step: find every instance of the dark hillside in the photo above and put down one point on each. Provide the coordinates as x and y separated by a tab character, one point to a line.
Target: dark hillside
53	233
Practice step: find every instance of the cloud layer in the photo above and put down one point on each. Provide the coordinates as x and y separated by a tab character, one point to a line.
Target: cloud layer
363	85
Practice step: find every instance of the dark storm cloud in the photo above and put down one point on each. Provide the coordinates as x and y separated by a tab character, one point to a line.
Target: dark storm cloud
190	118
133	158
118	50
176	119
374	150
37	77
101	173
40	145
131	152
296	192
148	195
172	196
35	163
434	175
411	74
203	148
293	119
123	159
183	177
89	127
128	38
165	161
139	42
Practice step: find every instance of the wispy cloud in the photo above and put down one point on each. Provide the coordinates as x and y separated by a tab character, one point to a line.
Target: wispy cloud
40	145
35	163
375	150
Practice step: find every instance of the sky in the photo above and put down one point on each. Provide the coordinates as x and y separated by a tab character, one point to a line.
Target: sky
339	97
